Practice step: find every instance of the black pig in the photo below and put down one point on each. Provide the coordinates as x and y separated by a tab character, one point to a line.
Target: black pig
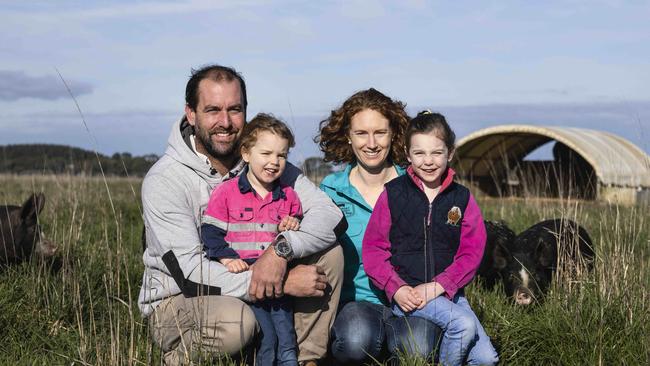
497	246
21	234
533	257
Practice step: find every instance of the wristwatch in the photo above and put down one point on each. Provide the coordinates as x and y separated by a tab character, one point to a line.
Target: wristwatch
283	249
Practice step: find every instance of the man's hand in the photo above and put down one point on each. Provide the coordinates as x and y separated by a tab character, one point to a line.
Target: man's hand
234	265
407	299
428	291
268	275
305	281
289	223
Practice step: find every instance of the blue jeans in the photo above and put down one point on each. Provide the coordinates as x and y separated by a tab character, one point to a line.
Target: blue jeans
463	337
277	344
364	332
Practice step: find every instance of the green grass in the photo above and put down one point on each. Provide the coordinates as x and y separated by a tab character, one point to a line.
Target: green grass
86	311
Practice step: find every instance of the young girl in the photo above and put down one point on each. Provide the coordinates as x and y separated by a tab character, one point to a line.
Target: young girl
243	217
425	240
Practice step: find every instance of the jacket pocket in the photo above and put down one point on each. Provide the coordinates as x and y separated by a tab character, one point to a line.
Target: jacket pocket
241	214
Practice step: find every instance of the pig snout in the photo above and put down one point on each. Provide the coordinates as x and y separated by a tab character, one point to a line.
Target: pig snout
522	286
523	296
45	248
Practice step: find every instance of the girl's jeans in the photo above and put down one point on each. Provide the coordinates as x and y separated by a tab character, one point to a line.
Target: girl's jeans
463	337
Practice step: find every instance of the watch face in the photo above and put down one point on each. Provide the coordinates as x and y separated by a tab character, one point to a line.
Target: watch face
283	247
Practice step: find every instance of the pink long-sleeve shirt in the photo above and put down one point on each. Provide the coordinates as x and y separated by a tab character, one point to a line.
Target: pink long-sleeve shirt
238	218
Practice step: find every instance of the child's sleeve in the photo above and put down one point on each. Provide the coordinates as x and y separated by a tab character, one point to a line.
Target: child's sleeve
214	226
469	254
375	250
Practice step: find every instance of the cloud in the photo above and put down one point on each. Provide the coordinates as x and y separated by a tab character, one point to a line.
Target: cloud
16	85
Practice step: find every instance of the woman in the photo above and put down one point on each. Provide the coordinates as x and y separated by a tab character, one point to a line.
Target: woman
367	134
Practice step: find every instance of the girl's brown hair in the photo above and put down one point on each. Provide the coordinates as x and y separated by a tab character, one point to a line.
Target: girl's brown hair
426	122
334	131
264	122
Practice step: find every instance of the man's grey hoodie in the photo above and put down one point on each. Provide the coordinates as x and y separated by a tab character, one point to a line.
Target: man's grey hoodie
175	193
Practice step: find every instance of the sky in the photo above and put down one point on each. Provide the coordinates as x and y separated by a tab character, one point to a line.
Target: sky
568	63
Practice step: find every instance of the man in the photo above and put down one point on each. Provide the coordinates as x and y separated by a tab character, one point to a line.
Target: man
203	152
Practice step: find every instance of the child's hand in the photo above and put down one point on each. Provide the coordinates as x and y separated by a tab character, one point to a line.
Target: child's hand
289	223
428	292
407	299
234	265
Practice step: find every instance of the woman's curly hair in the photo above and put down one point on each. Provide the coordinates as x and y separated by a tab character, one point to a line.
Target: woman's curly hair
334	131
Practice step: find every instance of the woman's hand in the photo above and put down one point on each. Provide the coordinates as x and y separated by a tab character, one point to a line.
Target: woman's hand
407	299
428	291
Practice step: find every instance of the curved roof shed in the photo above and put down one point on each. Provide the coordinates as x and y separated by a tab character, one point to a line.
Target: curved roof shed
615	161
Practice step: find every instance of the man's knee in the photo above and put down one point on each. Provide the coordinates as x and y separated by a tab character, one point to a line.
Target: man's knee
170	323
205	324
228	324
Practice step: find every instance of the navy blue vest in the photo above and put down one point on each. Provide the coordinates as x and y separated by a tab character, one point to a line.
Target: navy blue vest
411	228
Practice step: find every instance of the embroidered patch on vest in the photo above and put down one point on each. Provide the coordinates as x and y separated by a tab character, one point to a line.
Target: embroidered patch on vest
454	215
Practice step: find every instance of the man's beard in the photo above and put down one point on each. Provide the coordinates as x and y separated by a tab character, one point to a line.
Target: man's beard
216	150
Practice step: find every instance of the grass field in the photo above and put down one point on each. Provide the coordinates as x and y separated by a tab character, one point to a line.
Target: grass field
85	311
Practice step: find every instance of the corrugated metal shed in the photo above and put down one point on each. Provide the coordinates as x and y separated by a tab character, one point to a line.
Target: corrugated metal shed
616	161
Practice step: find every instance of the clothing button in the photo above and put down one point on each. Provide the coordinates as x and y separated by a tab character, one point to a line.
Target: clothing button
261	246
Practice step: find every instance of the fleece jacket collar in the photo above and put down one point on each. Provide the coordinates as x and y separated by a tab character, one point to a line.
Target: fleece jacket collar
341	184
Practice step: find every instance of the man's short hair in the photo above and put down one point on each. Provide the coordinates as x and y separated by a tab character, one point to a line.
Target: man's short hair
215	73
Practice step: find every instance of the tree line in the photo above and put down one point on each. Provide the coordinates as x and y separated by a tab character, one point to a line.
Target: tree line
63	159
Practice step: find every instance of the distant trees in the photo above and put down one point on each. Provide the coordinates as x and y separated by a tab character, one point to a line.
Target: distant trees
62	159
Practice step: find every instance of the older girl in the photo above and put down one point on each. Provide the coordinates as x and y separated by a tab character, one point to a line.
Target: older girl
425	241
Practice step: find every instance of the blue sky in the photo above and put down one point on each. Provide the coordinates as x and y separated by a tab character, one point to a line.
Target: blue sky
572	63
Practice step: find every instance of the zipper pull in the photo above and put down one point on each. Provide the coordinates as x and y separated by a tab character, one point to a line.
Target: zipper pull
429	215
